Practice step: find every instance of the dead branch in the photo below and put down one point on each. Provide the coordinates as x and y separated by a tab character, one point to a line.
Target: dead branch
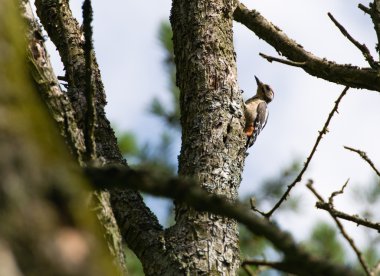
351	242
365	157
347	75
362	47
354	218
319	138
373	12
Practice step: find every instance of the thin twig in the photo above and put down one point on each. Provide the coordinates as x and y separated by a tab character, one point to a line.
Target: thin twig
90	118
319	138
364	156
354	218
252	202
334	194
284	61
362	47
359	255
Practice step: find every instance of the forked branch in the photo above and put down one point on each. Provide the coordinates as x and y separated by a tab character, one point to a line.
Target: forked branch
351	242
345	74
319	138
362	47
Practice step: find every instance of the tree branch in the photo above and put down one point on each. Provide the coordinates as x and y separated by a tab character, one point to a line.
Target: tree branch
48	86
364	156
347	75
283	61
319	138
339	192
375	16
138	226
364	8
354	218
362	47
188	191
340	225
88	48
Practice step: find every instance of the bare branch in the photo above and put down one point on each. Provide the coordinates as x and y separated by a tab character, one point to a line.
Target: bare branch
353	218
189	192
284	61
319	138
351	242
341	191
139	227
375	16
365	158
48	86
252	202
346	75
362	47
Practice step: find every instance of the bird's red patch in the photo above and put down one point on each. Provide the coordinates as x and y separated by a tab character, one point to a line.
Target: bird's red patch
249	130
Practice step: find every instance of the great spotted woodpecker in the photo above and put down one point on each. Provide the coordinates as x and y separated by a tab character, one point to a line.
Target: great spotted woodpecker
256	112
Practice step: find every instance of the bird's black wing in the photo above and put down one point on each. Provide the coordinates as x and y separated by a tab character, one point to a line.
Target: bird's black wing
259	123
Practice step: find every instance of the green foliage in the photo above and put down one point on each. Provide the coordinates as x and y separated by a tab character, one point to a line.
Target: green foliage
165	35
127	144
324	242
134	265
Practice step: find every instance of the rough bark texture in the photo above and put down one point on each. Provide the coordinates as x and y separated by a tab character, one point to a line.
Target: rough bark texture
62	111
48	86
138	226
212	137
45	226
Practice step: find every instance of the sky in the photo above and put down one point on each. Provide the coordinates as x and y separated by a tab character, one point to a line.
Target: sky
131	63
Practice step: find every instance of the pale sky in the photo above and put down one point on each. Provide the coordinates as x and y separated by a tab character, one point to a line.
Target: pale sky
131	63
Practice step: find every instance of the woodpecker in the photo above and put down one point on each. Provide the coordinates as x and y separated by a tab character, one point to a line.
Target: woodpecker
256	112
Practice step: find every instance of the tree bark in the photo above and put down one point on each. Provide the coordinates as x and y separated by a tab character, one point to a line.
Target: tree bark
45	226
137	225
212	137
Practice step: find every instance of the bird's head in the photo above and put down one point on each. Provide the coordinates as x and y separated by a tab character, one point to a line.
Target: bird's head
264	91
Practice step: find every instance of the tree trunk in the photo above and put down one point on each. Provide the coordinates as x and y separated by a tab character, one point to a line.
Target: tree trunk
212	137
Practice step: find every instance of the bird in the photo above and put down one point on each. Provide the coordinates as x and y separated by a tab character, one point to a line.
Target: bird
256	112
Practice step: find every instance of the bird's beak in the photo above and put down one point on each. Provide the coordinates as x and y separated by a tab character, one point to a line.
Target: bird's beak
257	80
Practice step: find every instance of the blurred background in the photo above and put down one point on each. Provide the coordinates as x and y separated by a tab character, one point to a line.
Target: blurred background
133	47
